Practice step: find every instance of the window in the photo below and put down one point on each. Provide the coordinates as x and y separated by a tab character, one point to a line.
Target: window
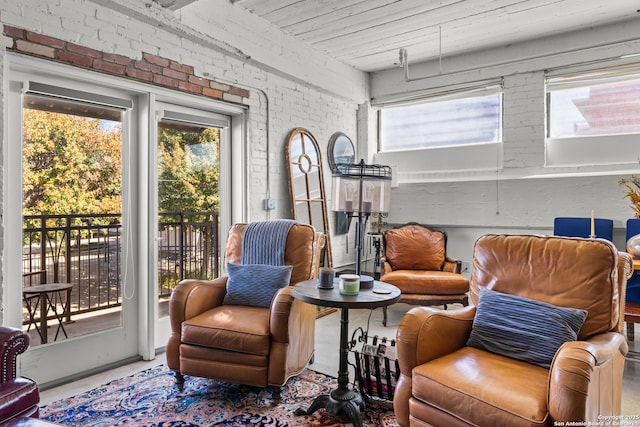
442	123
598	109
593	118
456	131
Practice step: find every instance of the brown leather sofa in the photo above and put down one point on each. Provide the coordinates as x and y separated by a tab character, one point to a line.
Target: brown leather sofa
19	396
245	344
415	261
445	382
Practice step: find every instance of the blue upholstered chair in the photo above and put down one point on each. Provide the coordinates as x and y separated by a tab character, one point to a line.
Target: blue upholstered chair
633	284
581	227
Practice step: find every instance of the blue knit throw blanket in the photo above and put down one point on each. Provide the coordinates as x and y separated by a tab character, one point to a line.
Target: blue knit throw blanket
264	242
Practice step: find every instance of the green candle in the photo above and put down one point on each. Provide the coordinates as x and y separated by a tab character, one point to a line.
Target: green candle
349	284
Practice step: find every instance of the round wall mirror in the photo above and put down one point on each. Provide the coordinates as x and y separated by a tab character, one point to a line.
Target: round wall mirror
340	152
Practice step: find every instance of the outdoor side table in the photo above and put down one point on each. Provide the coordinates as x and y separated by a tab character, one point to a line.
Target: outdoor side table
47	297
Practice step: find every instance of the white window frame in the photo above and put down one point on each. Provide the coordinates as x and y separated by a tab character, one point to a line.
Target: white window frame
600	150
446	163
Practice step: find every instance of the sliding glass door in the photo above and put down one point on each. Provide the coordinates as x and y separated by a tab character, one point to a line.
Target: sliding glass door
113	194
72	214
70	276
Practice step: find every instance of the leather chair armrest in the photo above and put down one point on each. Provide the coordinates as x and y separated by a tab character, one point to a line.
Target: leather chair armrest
426	333
386	267
577	374
188	299
192	297
292	327
279	315
452	265
289	318
625	264
13	342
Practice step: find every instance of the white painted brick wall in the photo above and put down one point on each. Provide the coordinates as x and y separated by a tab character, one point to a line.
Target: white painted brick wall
523	113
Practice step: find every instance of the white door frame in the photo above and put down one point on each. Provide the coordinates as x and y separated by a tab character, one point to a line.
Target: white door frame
161	105
141	334
53	362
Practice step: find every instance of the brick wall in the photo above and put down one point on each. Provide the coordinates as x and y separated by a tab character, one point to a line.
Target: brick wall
150	68
524	112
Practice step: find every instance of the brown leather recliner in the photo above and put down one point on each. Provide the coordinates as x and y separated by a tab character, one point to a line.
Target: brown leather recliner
245	344
445	382
416	262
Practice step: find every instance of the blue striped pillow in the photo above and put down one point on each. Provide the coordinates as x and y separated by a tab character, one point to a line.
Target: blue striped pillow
255	284
521	328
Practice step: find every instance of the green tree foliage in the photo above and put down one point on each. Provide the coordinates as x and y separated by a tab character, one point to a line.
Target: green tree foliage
71	165
188	182
188	169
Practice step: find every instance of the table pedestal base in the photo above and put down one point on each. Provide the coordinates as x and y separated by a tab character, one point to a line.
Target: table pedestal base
341	400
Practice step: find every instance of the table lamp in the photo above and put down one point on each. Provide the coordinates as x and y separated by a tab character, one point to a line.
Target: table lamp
360	190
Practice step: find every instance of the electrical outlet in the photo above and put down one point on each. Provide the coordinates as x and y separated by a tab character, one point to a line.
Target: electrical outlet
269	204
465	266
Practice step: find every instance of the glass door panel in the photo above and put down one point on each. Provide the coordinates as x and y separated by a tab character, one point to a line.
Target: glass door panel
72	216
188	171
68	227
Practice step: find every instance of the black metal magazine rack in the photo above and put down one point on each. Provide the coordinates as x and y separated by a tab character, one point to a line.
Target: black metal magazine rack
376	365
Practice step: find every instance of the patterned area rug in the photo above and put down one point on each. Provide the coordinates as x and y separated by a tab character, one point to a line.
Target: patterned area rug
150	398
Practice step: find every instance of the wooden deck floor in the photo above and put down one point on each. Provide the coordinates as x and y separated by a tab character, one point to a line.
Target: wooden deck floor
85	324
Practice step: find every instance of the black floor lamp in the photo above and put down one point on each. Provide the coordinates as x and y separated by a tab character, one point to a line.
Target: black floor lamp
360	190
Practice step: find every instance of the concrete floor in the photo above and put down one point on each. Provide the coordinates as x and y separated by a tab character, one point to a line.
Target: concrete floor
326	357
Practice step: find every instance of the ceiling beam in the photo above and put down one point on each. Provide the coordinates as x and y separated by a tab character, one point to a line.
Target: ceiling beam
173	4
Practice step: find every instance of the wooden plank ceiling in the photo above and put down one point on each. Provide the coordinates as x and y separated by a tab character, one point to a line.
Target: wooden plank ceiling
368	34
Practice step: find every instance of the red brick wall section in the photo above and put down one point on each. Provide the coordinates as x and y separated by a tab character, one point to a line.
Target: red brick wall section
150	69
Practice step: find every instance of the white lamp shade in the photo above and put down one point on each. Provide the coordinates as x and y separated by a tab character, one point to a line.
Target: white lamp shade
346	191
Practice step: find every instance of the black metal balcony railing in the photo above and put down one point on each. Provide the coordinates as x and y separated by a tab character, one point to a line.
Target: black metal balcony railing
85	250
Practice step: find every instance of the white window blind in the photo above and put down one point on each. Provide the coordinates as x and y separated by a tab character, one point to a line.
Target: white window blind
77	95
445	118
593	116
597	103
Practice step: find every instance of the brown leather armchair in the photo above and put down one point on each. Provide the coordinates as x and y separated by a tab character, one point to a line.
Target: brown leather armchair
446	382
19	396
416	262
245	344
